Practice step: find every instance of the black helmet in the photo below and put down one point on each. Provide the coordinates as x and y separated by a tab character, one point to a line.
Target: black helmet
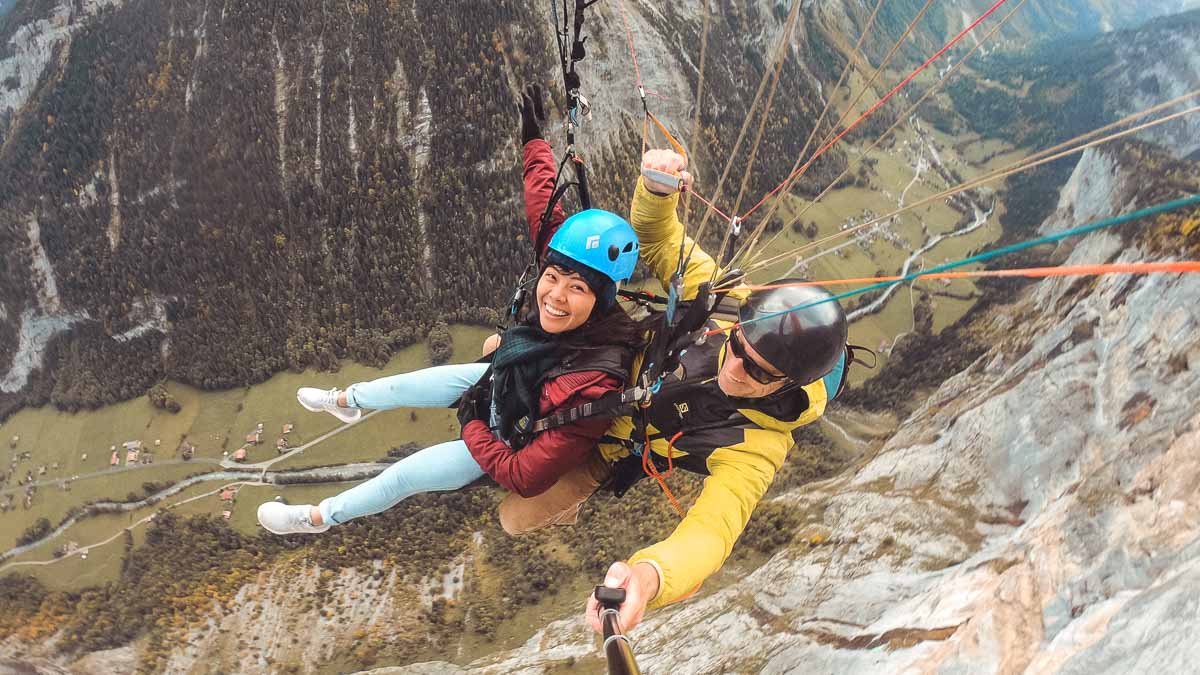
805	344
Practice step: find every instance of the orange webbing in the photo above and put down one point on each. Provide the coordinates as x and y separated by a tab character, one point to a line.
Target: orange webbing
1179	266
652	470
1059	271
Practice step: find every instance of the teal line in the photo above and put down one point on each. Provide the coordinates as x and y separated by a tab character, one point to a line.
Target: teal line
988	255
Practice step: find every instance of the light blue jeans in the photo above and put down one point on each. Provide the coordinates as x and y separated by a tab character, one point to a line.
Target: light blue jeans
442	467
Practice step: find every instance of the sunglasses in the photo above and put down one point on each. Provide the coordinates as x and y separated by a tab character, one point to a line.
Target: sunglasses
755	371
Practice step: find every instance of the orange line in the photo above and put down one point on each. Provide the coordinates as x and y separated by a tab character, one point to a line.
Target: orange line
1061	271
1182	266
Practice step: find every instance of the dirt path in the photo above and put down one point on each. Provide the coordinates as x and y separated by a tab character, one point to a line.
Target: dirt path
262	467
83	550
109	472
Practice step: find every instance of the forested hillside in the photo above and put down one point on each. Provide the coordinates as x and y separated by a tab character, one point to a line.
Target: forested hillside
287	185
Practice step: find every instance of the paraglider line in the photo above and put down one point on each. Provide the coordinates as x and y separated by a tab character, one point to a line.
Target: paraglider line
878	104
988	255
1182	266
1016	167
748	251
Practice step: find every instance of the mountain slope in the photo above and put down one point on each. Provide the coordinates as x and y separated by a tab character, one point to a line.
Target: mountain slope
271	179
216	221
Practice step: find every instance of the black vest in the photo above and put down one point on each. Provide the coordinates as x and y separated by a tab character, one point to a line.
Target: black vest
691	402
615	360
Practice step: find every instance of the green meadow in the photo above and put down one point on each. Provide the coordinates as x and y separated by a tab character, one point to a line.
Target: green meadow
215	423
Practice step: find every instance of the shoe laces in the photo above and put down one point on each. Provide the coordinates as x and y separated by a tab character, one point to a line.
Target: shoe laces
331	397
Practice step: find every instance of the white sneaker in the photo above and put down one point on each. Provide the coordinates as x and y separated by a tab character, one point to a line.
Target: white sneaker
325	400
287	518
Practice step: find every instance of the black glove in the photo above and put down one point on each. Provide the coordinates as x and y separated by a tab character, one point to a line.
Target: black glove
473	405
533	113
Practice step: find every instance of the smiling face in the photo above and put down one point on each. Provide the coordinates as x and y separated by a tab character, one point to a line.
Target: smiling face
733	378
564	300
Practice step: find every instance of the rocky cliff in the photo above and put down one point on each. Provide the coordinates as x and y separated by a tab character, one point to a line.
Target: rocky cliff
1039	513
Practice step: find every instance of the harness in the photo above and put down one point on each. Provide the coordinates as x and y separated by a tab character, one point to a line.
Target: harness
669	343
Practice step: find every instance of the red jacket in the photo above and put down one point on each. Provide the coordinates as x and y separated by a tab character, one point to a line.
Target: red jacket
539	187
553	452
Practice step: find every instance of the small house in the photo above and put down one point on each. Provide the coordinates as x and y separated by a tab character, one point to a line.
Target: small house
116	459
254	438
281	444
132	445
12	442
240	455
228	495
227	514
131	457
287	428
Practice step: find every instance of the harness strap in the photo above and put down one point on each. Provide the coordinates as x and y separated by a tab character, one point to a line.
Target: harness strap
852	358
631	399
611	404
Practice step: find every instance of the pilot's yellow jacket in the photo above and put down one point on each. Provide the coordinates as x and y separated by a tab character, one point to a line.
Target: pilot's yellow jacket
739	443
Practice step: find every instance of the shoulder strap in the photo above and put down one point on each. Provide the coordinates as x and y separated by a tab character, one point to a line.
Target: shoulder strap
664	348
852	357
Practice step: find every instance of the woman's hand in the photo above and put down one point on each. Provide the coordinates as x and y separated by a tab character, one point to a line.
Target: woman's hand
667	162
533	113
472	405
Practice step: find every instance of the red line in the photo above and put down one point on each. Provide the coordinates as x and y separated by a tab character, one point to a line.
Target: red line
637	72
1060	271
873	108
709	204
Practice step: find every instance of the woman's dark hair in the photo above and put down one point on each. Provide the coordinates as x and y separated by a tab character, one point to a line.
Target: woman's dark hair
614	327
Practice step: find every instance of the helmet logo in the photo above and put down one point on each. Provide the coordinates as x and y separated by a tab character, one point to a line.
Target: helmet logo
592	242
682	408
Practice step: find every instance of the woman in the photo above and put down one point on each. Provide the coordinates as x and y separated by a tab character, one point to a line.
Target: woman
575	345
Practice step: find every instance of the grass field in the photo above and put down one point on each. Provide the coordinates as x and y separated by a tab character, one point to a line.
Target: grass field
215	423
103	563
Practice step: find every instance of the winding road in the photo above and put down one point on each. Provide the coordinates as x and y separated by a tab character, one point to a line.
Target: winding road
232	468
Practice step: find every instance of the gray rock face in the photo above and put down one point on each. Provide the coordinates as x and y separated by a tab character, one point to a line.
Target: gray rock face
1040	513
1158	65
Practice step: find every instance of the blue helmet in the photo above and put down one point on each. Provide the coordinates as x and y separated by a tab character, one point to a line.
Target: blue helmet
599	245
601	240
